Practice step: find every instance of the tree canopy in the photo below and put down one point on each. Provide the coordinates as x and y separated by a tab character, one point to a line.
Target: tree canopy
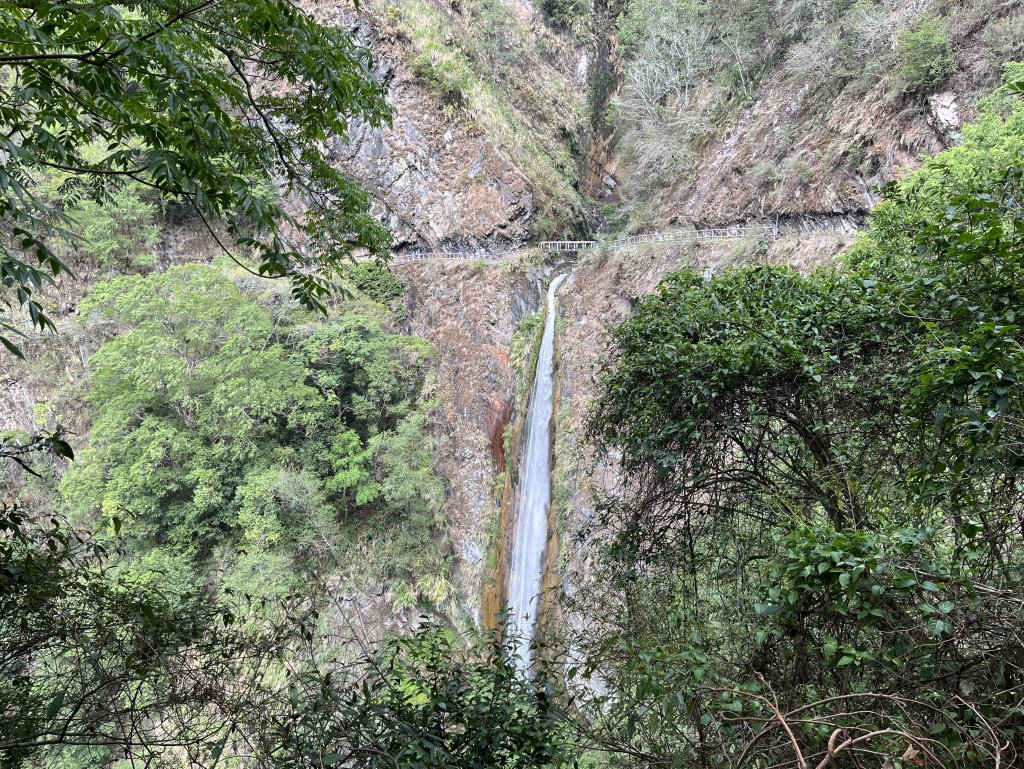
222	107
102	664
216	425
817	549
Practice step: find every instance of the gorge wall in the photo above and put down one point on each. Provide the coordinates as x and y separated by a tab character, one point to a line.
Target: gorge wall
506	123
449	178
800	139
752	110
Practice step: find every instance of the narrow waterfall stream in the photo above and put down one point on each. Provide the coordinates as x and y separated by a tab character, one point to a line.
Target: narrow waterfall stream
534	494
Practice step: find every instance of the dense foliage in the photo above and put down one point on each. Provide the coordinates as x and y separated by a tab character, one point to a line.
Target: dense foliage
214	105
927	54
121	232
102	664
428	702
98	663
220	424
819	550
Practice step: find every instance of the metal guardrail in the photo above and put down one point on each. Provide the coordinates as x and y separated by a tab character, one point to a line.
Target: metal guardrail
460	256
715	233
578	246
559	246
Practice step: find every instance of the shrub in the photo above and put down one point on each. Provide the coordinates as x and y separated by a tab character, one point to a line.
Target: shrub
569	14
802	171
404	459
525	345
785	138
854	157
122	231
1004	102
927	55
1005	38
445	73
765	174
1013	75
376	281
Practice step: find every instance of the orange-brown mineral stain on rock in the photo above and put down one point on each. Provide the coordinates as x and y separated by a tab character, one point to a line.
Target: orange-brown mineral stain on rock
497	413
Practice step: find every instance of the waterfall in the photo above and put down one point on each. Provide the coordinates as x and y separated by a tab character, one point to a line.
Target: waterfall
534	494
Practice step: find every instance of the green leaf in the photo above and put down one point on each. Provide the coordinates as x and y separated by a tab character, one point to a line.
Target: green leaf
55	705
61	448
11	347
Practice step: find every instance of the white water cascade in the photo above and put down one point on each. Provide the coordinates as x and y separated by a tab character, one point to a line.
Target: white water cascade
534	494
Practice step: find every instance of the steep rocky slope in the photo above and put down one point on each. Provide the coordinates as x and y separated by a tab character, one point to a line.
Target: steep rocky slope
488	111
470	312
436	183
480	155
764	110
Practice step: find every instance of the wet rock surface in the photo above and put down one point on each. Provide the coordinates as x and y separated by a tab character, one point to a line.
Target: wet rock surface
470	313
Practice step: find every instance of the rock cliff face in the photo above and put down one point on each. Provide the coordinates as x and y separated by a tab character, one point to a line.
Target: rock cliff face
436	182
437	187
808	161
470	313
487	109
831	169
822	118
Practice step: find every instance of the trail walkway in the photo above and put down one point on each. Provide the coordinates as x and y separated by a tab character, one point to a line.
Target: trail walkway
578	246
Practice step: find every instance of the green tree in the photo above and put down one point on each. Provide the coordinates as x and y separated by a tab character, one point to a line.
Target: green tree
927	54
821	491
284	506
407	480
211	104
431	700
121	231
213	427
190	397
376	281
366	375
99	662
102	662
